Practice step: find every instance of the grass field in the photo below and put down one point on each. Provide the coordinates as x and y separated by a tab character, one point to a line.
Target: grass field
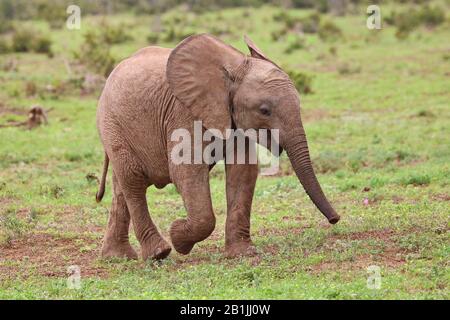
378	123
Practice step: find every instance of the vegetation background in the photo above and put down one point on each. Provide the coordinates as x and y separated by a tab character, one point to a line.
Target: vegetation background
376	109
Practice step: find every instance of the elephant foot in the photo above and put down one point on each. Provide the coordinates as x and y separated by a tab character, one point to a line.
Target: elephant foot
113	249
158	249
240	249
179	238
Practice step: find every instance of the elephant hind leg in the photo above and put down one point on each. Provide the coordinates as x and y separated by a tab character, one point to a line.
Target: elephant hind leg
134	184
152	243
116	242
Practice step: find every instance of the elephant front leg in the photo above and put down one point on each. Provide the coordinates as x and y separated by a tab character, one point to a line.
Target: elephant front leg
116	242
240	186
192	182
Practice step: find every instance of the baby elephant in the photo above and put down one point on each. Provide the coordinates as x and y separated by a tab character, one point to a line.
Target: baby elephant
157	92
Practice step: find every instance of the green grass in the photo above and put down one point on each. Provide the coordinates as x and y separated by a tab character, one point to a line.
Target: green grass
378	125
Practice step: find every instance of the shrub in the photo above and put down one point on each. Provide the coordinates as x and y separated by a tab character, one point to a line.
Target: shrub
409	20
11	227
328	161
95	54
277	34
53	12
4	46
114	34
310	24
174	35
5	25
346	68
298	43
43	45
405	23
30	88
22	40
431	16
301	81
416	179
27	40
152	38
329	31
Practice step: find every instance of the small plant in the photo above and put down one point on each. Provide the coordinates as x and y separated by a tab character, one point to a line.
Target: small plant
328	162
406	22
30	89
346	68
43	45
53	12
22	40
297	44
310	24
416	180
431	16
4	46
5	25
301	81
333	51
114	34
11	227
152	38
95	54
27	40
409	20
329	31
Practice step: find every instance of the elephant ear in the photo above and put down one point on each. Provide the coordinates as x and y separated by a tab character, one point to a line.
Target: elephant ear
199	71
256	52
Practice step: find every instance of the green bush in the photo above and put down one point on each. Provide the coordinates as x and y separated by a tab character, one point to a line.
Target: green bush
328	161
301	81
329	31
27	40
297	44
4	46
95	54
22	40
308	24
43	45
431	16
5	25
311	23
346	68
175	35
54	12
114	34
416	180
152	38
408	21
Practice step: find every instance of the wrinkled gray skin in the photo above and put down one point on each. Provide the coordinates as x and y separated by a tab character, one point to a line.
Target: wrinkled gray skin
158	90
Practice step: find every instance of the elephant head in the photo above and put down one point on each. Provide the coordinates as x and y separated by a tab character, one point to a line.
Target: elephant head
223	87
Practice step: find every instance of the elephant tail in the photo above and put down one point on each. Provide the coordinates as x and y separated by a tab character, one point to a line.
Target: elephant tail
101	190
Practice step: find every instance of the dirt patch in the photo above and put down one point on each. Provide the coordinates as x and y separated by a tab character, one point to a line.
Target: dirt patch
384	261
311	115
384	234
441	197
5	202
46	255
392	256
10	110
264	232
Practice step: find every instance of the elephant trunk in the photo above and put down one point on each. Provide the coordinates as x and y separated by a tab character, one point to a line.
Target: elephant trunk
297	149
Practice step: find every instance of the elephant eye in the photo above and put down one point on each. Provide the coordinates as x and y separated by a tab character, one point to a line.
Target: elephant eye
265	110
